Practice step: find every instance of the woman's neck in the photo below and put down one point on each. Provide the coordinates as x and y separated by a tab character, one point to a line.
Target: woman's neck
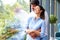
37	16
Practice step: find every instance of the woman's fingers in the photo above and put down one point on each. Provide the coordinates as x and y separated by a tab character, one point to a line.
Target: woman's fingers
33	35
29	31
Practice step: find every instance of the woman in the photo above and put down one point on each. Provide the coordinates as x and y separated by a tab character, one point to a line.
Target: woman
36	25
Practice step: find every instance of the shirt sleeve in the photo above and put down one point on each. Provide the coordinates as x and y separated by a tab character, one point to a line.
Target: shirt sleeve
27	24
43	28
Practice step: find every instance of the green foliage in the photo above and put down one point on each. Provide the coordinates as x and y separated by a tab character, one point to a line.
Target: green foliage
8	33
5	16
16	5
24	5
53	19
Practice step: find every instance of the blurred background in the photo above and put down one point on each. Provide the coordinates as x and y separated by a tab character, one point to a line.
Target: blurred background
8	9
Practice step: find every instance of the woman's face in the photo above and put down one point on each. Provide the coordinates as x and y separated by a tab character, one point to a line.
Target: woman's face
37	10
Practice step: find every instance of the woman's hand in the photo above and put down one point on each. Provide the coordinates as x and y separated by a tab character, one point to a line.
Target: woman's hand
33	33
37	33
28	31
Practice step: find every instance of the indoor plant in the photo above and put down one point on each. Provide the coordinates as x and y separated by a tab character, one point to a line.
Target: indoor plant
53	20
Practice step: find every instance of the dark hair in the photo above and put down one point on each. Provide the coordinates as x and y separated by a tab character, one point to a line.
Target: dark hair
42	15
35	2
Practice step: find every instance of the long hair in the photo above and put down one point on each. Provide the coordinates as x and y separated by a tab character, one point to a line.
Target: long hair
42	15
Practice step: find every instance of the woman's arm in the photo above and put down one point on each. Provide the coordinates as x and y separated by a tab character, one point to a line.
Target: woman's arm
33	33
43	29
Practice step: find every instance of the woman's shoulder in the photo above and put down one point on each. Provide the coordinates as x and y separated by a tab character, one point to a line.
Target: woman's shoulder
29	18
42	20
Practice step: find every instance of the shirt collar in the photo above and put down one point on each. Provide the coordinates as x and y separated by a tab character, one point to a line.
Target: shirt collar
37	18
